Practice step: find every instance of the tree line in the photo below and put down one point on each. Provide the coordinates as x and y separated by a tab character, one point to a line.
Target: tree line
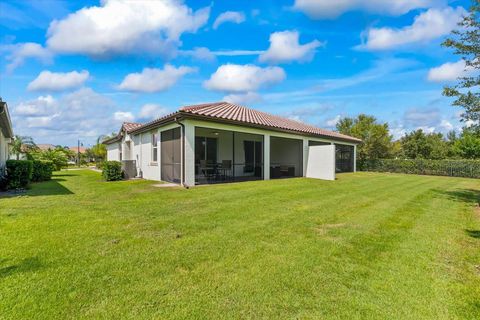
378	142
24	147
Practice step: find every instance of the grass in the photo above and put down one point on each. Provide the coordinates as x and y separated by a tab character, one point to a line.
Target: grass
377	246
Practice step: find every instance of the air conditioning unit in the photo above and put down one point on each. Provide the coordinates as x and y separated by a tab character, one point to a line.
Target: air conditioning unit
129	168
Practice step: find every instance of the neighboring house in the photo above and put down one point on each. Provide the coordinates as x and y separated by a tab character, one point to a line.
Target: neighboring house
6	135
77	149
45	146
223	142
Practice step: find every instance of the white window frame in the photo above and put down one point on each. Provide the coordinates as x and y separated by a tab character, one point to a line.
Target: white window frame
155	142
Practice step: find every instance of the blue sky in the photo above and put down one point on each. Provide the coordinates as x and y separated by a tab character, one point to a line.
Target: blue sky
76	69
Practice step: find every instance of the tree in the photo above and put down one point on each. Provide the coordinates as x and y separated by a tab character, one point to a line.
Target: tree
451	139
99	150
57	156
23	144
466	43
468	145
376	138
417	144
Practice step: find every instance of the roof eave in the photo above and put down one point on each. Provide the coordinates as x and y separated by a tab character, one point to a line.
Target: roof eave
156	123
6	123
112	140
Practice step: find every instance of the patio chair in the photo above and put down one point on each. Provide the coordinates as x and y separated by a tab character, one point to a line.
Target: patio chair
207	171
226	167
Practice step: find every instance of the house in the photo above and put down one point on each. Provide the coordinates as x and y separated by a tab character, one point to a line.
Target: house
6	135
223	142
45	146
78	149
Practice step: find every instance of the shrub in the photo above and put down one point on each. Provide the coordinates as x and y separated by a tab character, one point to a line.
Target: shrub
19	173
112	170
3	182
452	168
42	170
57	156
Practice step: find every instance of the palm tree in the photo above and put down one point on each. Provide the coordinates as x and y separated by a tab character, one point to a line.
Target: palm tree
23	144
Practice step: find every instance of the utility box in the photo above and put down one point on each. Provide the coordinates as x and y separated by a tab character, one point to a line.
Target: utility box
129	169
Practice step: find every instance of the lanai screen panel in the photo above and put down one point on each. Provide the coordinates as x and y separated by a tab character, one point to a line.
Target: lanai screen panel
344	158
171	155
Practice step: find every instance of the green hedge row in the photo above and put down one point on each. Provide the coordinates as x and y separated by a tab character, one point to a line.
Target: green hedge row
21	172
42	170
112	171
452	168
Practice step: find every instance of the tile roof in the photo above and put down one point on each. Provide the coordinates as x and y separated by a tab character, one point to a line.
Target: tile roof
233	112
241	115
78	149
45	146
129	126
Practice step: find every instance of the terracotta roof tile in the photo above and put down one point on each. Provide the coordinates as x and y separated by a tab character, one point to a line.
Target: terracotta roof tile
233	112
241	114
129	126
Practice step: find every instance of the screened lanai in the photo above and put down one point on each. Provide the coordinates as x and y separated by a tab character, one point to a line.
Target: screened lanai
227	156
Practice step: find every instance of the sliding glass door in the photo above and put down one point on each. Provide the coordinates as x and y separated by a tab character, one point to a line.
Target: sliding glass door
205	150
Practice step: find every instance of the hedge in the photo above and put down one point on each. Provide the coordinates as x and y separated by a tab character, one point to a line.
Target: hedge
19	173
112	171
42	170
452	168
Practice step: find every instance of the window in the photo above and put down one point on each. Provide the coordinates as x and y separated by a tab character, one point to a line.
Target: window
154	147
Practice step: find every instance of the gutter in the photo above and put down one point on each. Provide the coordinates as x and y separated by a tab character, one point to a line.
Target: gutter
182	163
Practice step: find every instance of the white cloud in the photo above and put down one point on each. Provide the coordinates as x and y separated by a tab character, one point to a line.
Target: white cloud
446	125
205	54
229	16
22	51
470	123
200	53
123	116
123	27
234	53
83	114
243	78
421	117
151	111
243	98
325	9
449	71
397	131
154	80
52	81
427	26
40	106
331	123
285	47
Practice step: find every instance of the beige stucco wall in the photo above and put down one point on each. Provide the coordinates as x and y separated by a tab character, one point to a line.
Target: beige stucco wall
113	151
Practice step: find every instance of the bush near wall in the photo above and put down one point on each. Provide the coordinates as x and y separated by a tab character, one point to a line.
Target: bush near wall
19	173
42	170
452	168
112	171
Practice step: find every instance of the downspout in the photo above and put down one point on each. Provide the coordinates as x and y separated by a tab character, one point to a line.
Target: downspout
182	163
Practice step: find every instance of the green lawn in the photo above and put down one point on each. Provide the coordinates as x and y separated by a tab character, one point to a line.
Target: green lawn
377	246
